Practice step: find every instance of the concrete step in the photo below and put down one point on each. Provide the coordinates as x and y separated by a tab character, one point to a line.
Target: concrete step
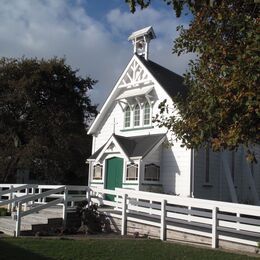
7	225
44	220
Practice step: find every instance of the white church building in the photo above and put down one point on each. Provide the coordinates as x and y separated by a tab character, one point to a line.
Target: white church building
132	152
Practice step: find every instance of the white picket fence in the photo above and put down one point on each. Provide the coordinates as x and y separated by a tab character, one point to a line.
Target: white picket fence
25	199
217	220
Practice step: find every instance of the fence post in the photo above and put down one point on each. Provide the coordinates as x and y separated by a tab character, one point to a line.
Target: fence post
88	196
117	200
214	227
65	204
18	220
39	192
163	220
123	223
12	204
33	193
238	222
189	215
26	203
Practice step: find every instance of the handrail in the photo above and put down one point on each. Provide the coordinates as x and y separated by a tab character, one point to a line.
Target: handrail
9	201
63	195
41	195
43	206
21	214
14	189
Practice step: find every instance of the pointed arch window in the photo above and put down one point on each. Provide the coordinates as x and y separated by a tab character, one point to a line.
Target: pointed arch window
207	165
147	114
97	172
152	172
132	172
127	120
136	115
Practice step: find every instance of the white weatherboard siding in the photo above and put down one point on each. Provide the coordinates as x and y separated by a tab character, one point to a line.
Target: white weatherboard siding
218	188
257	168
112	121
153	157
176	163
202	189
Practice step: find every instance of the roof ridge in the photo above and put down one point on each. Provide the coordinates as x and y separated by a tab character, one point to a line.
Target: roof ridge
170	81
157	64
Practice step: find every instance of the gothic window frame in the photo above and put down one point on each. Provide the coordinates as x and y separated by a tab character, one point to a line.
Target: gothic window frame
152	178
147	114
100	175
207	165
127	117
137	115
130	166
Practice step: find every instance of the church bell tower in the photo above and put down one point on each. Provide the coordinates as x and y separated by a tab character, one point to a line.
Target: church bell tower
141	40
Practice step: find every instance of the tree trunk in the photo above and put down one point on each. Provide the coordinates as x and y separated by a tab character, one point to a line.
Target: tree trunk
10	169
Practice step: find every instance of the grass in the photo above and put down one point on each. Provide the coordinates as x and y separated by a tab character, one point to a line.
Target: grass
43	249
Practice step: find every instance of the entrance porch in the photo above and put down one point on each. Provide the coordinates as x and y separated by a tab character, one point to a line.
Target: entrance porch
128	162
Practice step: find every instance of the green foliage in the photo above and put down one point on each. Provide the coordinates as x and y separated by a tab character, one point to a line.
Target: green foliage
4	212
44	112
176	5
223	104
92	221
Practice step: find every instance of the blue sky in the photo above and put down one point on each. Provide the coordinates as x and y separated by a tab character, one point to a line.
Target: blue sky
91	34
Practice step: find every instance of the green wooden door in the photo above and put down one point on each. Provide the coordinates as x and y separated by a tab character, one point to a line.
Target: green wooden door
114	175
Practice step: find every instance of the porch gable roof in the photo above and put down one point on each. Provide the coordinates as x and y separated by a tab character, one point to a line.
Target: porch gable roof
136	146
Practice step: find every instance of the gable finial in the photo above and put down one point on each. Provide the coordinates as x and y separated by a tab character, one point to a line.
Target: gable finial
141	40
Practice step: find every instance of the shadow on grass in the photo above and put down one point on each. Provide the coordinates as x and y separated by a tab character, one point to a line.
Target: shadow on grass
9	251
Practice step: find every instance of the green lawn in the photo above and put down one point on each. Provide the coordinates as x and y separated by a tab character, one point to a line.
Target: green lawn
40	249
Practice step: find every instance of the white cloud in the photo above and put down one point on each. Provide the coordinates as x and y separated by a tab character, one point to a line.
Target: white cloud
164	24
47	28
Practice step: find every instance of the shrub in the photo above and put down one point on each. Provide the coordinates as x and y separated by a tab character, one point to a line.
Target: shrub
4	212
92	221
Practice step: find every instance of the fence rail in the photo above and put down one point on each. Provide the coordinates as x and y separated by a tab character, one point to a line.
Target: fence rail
213	219
26	199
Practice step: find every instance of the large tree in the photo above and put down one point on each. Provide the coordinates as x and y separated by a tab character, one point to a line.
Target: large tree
44	112
222	108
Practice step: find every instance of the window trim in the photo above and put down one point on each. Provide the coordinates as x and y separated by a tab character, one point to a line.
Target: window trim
147	105
139	115
207	165
126	110
158	173
136	173
233	165
94	167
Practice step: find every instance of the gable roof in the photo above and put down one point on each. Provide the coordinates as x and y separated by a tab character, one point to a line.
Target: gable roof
137	146
145	31
171	82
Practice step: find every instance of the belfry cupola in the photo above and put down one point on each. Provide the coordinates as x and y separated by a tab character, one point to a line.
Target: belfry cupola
141	40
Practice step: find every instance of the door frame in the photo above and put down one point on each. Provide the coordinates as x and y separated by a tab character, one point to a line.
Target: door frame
110	156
